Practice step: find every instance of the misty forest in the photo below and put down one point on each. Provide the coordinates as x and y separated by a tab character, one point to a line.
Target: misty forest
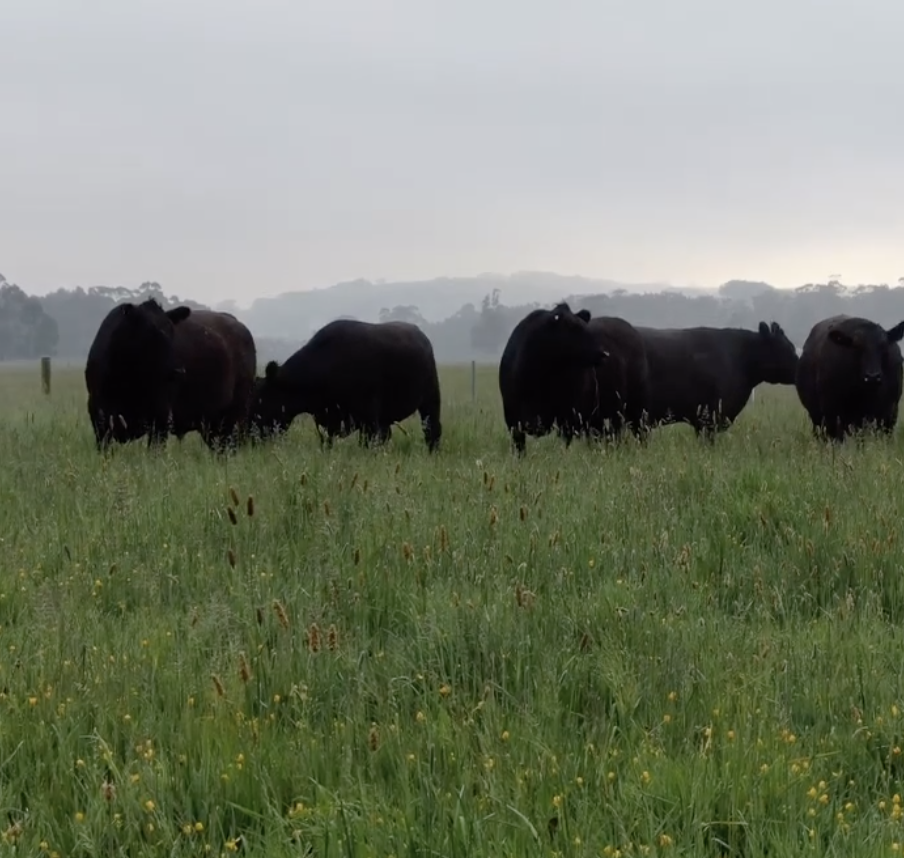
63	323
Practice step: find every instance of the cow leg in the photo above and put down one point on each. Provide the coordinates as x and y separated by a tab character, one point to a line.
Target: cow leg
156	438
433	431
519	440
706	431
566	433
226	433
327	437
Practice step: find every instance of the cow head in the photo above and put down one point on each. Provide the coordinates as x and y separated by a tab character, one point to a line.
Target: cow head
778	357
566	338
142	345
872	345
269	403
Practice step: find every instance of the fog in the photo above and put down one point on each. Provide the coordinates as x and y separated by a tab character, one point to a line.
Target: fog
234	150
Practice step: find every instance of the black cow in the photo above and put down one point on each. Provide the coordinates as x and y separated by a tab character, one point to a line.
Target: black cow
353	376
546	374
622	380
152	372
850	376
704	376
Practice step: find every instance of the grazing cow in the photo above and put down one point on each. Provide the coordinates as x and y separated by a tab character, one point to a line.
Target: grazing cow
152	372
622	381
546	374
353	376
850	375
704	376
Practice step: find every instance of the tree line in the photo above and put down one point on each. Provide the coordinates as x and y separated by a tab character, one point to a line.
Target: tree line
63	323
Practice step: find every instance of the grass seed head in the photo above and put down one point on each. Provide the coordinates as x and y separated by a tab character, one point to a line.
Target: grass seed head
231	513
326	508
494	516
108	791
524	597
234	495
357	556
303	479
373	737
230	556
281	614
332	637
249	506
314	638
218	684
244	668
522	513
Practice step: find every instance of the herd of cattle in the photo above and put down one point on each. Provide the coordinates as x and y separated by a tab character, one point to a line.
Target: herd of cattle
154	372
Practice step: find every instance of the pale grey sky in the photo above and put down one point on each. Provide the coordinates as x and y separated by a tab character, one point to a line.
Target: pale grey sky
236	149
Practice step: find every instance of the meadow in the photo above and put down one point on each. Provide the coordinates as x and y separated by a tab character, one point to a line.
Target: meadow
678	650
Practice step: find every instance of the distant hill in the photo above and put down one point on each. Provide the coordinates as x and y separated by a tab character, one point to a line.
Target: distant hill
298	314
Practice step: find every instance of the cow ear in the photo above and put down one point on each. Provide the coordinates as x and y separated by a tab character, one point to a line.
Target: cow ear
764	329
895	334
179	314
584	315
840	338
271	371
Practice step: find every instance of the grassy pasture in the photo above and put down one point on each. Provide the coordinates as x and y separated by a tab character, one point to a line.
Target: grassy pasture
681	650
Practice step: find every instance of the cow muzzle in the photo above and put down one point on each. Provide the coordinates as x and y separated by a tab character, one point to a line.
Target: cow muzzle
872	378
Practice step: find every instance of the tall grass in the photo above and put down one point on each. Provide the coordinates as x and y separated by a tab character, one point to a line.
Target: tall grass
678	650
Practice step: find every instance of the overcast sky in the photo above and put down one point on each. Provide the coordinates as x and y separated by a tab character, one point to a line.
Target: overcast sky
236	149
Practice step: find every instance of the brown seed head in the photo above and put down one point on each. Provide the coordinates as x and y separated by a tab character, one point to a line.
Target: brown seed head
281	615
230	556
314	638
354	481
494	516
108	790
231	513
443	538
303	479
234	495
332	637
407	551
244	668
373	737
218	684
523	513
326	508
357	556
249	506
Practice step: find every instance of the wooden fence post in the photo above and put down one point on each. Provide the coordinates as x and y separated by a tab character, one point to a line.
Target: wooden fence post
45	374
